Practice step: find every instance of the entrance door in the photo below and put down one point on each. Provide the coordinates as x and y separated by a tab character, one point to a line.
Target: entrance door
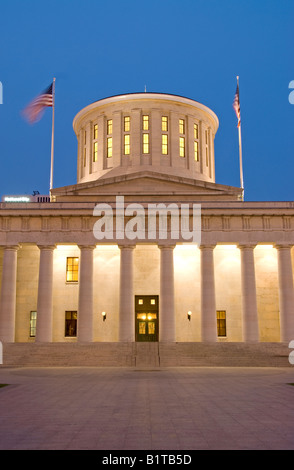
146	311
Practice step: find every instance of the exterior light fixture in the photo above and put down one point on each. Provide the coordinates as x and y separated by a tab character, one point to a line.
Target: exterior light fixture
189	314
104	316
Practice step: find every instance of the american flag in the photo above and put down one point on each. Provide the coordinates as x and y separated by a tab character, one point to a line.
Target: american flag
34	111
236	105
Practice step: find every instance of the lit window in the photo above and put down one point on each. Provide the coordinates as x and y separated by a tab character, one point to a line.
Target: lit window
145	143
182	146
33	323
142	328
196	153
127	145
109	147
127	124
152	301
85	149
72	269
221	323
196	131
95	152
109	127
95	143
164	137
207	147
164	145
145	123
181	126
164	124
70	323
140	301
196	156
127	138
182	139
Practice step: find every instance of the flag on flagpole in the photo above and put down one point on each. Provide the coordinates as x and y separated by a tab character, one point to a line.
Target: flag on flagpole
236	105
34	111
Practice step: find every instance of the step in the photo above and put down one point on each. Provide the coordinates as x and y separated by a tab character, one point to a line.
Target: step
146	355
68	355
224	354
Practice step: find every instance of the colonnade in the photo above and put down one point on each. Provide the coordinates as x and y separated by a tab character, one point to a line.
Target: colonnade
126	295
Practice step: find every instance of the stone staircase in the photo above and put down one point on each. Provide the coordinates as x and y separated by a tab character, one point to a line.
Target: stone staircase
224	355
145	355
69	354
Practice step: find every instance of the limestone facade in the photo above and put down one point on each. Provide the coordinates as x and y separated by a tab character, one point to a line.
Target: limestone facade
235	285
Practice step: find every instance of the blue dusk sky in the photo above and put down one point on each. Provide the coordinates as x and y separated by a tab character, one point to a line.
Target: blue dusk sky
191	48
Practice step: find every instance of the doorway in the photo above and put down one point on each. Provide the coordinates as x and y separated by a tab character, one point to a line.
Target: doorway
146	322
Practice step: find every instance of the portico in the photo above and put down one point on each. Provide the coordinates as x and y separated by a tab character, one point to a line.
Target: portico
201	280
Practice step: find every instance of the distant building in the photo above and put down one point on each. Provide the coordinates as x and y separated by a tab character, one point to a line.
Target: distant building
35	197
71	272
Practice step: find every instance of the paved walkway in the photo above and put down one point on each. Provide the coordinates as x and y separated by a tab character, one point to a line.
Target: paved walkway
129	409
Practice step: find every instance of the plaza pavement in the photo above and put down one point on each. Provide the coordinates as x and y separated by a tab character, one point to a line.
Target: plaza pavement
158	409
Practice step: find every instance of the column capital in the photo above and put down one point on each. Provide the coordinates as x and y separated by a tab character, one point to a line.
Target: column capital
244	246
209	246
46	247
11	247
166	247
281	246
87	247
126	247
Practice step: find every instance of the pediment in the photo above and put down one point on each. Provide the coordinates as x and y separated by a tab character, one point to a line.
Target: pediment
146	184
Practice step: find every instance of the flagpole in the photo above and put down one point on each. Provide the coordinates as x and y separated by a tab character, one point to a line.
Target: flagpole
52	137
240	151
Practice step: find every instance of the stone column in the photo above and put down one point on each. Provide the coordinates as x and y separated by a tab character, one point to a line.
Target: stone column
8	295
248	293
117	146
167	330
155	144
136	144
286	294
208	305
45	295
85	307
126	295
174	139
102	142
